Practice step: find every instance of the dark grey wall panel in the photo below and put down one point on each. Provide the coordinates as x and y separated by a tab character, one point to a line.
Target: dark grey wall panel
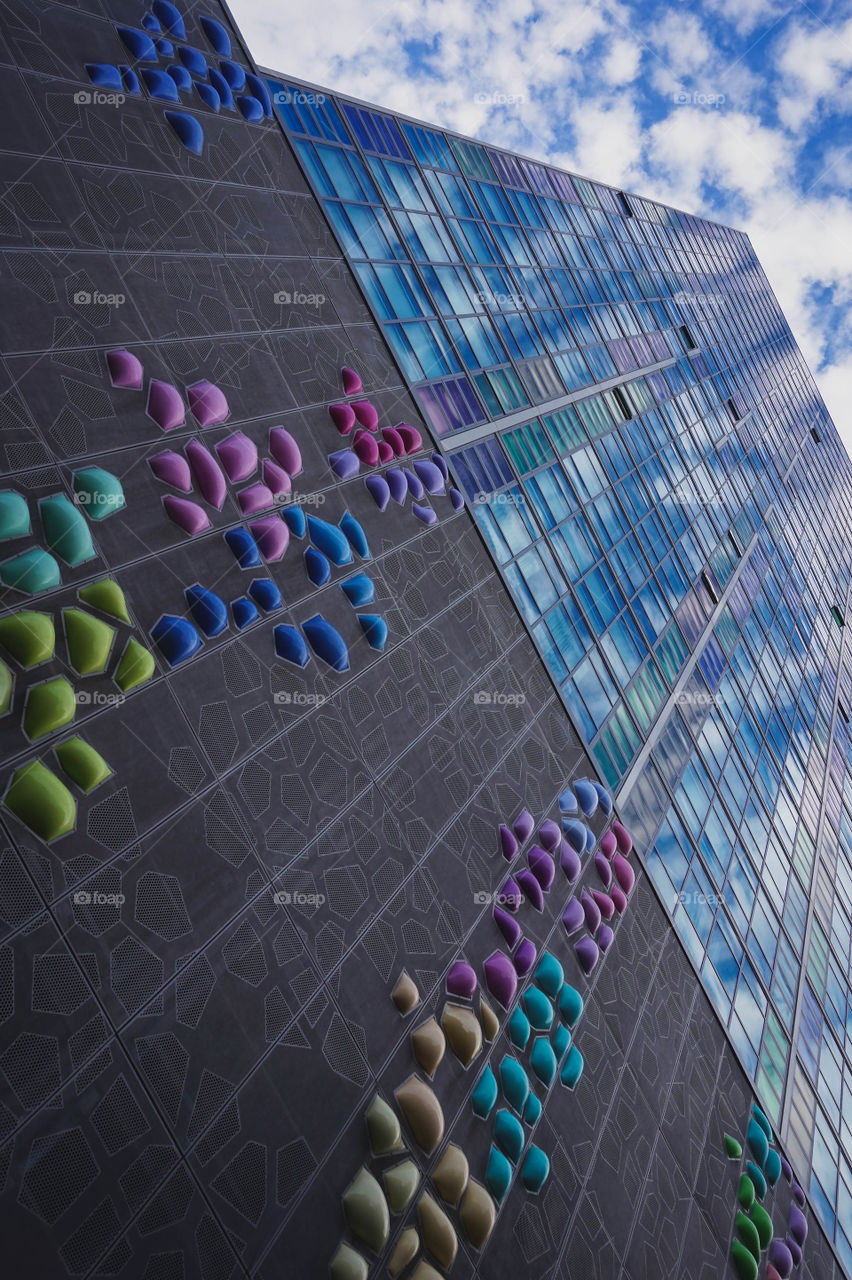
188	1042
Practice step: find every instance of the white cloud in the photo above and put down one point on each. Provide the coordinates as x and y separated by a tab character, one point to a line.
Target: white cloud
680	41
607	143
814	65
747	15
621	64
583	72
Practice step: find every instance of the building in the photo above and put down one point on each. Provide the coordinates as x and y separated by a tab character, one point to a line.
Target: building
306	714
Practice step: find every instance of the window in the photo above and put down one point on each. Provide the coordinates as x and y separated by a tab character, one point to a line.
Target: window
622	402
837	615
709	587
624	204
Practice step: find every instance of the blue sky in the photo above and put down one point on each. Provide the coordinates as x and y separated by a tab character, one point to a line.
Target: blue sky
739	110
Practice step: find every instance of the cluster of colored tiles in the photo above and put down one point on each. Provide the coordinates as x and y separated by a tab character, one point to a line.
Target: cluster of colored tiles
36	794
235	460
371	447
753	1224
165	67
547	1004
370	1200
266	539
65	531
543	1020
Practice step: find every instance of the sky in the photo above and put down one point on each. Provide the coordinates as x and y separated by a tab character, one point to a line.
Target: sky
737	110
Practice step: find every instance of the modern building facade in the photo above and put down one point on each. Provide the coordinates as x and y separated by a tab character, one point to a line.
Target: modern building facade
425	699
654	473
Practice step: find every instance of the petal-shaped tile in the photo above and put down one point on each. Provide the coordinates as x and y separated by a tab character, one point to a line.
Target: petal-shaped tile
366	1210
405	994
404	1250
428	1045
383	1127
423	1112
478	1214
437	1231
451	1174
463	1032
401	1182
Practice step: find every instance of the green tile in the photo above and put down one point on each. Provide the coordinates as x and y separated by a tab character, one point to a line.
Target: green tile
83	764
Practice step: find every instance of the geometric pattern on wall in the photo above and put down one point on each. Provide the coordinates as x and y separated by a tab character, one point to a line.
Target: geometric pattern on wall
194	983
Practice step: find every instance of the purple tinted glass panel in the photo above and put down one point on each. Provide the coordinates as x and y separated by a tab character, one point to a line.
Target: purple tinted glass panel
482	468
620	351
454	405
641	349
450	406
691	619
433	411
712	663
539	178
659	346
508	170
564	186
